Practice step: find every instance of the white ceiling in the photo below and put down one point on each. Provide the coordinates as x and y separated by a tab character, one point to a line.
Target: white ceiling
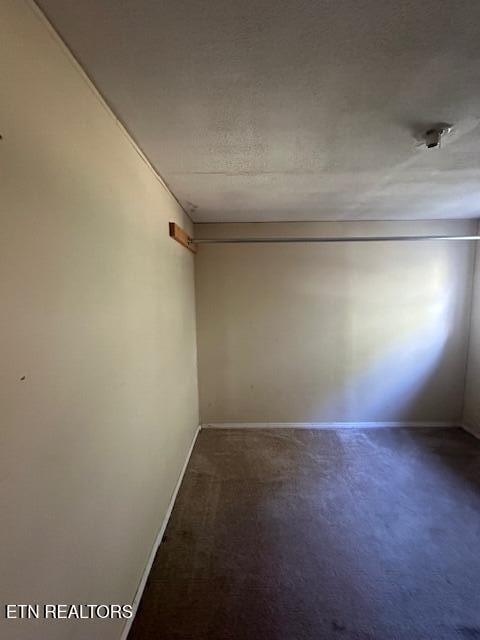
258	110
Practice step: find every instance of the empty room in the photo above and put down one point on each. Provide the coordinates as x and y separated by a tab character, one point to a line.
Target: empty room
240	320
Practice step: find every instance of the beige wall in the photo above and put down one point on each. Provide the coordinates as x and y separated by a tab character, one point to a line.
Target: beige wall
340	332
471	414
97	313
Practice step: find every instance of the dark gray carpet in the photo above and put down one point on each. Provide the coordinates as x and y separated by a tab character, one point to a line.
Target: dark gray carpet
307	535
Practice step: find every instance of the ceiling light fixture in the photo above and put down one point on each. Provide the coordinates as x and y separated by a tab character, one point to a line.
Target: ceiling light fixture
434	135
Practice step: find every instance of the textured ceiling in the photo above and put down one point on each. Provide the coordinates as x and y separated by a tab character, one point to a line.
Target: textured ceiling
292	109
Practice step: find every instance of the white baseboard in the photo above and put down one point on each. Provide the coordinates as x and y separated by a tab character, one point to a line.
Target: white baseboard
322	425
158	539
471	431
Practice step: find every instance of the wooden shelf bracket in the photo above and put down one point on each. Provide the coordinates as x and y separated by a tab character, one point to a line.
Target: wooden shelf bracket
181	236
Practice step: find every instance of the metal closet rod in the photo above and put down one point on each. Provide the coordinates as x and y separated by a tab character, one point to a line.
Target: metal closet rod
306	239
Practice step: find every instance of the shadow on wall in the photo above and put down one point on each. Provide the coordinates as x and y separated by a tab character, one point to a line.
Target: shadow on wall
391	369
337	333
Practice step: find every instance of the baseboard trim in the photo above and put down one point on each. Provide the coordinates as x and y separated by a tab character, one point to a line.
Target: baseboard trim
471	431
323	425
158	539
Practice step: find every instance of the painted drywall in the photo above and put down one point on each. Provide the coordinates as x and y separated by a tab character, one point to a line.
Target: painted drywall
295	110
471	411
338	332
98	387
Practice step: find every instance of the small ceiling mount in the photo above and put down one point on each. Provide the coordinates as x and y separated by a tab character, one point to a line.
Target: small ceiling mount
434	135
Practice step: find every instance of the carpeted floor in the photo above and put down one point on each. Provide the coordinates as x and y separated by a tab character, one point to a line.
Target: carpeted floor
315	535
